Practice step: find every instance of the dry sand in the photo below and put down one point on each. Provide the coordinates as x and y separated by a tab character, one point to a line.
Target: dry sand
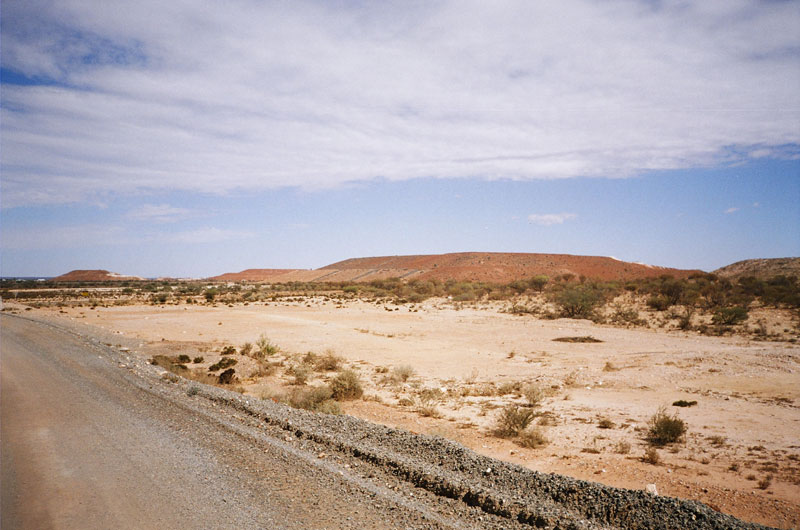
745	427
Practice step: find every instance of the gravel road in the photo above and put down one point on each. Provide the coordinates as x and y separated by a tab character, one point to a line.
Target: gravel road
94	437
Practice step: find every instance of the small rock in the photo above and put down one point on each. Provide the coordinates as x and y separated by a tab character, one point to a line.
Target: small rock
321	455
651	488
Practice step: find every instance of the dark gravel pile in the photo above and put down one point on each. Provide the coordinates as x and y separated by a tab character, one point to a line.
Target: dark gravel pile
448	469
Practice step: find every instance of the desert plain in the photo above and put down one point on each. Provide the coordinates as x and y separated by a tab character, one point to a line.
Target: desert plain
449	368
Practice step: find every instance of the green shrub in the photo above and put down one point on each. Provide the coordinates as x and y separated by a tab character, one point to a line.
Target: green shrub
664	429
578	301
184	358
659	303
346	385
197	360
728	316
225	362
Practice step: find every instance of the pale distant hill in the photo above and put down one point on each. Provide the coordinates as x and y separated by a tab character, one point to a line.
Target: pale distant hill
97	275
761	268
473	266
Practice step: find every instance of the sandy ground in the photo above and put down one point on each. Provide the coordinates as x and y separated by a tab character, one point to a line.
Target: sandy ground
744	428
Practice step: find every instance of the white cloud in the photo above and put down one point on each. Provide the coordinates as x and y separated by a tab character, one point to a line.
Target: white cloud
548	219
732	209
159	213
171	96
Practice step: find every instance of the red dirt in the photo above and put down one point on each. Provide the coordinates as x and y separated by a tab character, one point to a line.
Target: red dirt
473	266
505	267
97	275
252	275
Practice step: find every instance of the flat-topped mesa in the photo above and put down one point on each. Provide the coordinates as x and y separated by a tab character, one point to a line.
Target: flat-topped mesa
495	267
94	275
253	275
503	267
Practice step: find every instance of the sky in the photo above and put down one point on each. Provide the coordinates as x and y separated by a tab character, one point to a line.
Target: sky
192	138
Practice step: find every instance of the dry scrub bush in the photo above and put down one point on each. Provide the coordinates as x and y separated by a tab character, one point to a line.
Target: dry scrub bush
664	429
605	423
402	373
512	420
347	385
265	347
301	373
329	362
533	394
427	407
622	448
317	399
532	438
651	456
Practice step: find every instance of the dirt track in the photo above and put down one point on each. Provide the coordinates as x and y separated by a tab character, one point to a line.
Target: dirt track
86	443
93	438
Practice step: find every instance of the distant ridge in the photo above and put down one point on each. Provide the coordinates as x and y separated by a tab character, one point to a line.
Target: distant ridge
496	267
762	269
97	275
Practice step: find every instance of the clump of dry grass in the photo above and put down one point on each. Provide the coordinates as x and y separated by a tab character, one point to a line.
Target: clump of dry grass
651	456
403	373
532	438
330	362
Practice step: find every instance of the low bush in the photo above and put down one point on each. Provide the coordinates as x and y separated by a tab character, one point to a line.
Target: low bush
512	420
346	385
729	316
532	438
225	362
684	403
651	456
402	373
329	362
533	395
197	360
228	350
265	347
227	377
664	429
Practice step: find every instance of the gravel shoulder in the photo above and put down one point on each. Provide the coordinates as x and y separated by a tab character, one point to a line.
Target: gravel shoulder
94	437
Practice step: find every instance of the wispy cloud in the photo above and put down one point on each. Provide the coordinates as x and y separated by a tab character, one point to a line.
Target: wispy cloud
169	96
732	209
159	213
548	219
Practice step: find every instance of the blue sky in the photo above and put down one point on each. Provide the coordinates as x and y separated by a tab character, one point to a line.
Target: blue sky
190	139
